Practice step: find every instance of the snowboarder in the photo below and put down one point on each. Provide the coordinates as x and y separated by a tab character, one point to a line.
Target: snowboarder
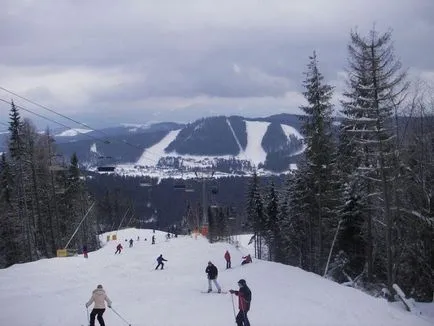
119	249
153	239
160	260
212	272
85	251
228	259
131	242
247	259
244	298
98	297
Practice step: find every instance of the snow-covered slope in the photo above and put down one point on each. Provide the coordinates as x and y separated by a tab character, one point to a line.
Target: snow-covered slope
73	132
151	155
53	292
254	151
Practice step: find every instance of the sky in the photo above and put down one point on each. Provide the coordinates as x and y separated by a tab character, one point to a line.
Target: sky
54	291
105	62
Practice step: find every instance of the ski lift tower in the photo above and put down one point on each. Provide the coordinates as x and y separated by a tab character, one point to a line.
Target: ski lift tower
203	175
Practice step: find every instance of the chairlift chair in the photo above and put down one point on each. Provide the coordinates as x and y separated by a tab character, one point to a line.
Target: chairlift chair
57	168
105	167
179	186
59	191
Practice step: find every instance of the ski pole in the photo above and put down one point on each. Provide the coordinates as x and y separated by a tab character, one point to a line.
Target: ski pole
88	320
120	316
233	305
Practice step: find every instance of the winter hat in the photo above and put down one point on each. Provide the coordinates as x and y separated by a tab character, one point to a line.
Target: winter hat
99	286
242	282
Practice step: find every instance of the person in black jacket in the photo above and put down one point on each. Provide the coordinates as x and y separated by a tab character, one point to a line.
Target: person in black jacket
160	260
244	298
212	272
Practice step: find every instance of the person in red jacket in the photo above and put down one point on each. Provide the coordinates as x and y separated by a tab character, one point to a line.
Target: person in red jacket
244	298
228	259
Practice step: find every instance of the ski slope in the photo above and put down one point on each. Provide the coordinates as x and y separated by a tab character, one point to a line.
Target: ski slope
53	292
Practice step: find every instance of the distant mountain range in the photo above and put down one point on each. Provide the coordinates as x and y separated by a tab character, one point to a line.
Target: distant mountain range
226	145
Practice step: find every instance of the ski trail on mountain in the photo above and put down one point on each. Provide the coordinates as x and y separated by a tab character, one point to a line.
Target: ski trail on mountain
255	133
152	154
235	136
291	131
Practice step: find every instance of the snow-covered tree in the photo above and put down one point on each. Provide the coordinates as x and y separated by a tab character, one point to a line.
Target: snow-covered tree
316	182
375	87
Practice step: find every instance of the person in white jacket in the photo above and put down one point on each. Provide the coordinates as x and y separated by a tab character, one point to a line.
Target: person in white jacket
98	297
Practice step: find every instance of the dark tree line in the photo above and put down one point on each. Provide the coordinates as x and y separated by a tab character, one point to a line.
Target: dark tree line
42	198
359	208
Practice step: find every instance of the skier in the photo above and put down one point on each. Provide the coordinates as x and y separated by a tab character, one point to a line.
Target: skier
153	239
85	251
131	242
244	298
98	297
119	249
212	272
247	259
160	260
228	259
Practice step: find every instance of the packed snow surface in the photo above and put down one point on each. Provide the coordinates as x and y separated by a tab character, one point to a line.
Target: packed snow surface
53	292
255	133
151	156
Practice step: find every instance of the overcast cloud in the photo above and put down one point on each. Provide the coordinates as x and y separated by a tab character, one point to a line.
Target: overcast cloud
105	62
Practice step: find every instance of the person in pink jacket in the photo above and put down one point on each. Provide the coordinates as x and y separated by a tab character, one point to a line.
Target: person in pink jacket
98	297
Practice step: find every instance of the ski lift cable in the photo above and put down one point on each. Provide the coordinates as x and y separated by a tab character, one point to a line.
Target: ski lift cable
123	218
60	114
50	110
106	141
66	117
49	119
84	217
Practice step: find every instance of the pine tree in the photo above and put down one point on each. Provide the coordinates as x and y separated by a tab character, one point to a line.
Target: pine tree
15	141
255	214
321	188
273	236
375	88
20	180
297	226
